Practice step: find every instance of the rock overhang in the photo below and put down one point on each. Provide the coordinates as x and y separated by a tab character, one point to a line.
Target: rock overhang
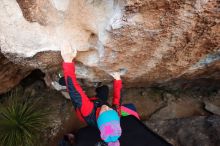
154	41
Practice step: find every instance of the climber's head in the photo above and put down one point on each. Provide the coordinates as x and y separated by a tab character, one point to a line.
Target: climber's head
109	125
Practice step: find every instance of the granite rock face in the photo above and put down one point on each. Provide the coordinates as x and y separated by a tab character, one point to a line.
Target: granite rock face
11	74
203	131
165	42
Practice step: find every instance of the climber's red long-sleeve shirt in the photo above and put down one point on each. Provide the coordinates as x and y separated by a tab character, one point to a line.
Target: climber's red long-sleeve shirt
86	109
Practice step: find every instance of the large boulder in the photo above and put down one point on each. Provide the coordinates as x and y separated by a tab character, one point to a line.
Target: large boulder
156	42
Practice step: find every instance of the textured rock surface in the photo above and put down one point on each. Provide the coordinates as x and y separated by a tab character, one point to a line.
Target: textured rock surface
179	109
213	106
157	42
11	74
202	131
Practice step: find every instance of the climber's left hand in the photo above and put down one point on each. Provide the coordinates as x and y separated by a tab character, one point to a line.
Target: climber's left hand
116	75
67	52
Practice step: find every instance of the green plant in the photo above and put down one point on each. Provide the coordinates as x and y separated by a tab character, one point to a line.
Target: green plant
21	122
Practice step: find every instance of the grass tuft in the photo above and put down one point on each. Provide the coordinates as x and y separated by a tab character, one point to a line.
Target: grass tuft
21	121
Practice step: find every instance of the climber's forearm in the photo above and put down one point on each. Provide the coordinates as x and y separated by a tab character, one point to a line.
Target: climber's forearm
117	85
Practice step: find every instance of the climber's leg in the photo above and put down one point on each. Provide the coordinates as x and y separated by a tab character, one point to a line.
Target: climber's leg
102	93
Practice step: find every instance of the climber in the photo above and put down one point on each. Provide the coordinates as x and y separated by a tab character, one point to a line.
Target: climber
96	111
105	122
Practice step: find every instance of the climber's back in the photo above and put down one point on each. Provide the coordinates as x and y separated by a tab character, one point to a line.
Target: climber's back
135	133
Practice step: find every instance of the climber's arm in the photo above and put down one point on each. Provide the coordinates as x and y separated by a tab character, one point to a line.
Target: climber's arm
117	92
117	85
77	95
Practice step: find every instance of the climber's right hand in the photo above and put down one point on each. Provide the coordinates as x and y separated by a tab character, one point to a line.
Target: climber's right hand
67	52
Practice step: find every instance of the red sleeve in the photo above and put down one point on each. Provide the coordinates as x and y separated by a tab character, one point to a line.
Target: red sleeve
77	95
117	92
